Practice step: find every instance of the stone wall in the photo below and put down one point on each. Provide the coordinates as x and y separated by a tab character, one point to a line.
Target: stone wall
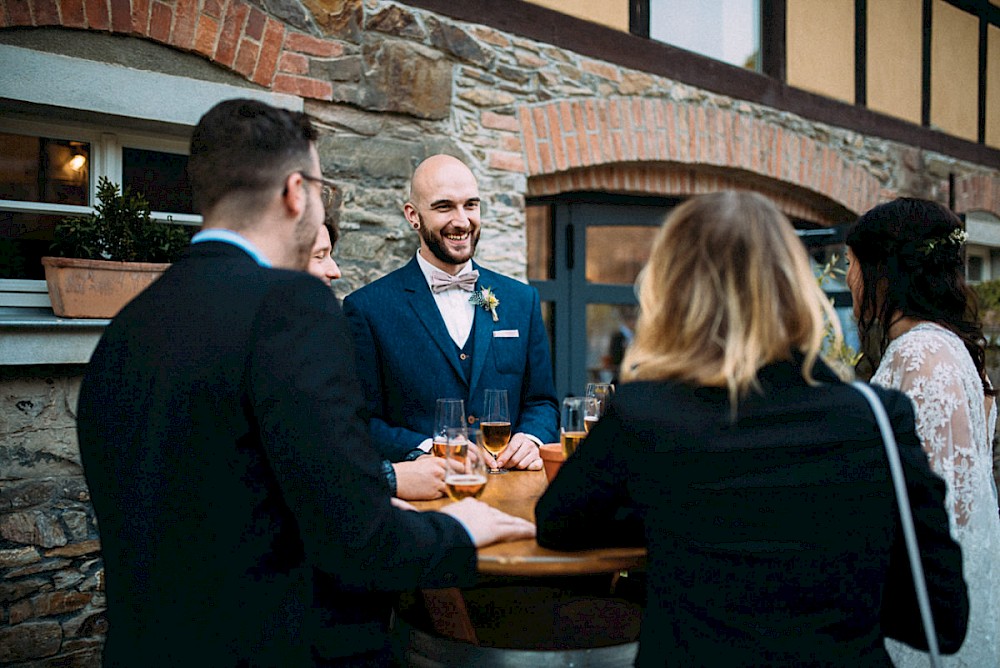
51	577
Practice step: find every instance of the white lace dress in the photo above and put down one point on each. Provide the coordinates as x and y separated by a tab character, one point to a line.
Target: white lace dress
932	366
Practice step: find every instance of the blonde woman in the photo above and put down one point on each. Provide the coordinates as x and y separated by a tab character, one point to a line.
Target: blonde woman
758	478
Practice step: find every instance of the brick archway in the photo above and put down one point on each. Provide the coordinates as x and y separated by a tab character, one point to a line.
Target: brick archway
234	34
979	192
659	146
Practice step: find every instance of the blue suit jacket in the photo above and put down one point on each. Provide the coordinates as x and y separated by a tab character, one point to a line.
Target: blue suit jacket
407	360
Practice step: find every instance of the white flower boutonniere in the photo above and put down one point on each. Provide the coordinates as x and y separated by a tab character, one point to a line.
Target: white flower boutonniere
488	300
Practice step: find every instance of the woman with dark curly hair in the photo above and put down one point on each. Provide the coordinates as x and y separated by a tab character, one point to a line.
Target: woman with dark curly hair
906	275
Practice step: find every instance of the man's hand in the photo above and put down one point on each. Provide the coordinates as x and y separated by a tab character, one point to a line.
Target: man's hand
488	525
521	453
421	479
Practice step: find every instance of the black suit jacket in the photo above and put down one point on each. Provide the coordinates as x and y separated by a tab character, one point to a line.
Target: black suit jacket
220	430
773	538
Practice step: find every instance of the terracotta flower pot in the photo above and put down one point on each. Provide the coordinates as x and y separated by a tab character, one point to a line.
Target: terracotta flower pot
552	459
96	288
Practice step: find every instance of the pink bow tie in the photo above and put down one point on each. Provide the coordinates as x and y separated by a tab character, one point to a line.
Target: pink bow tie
441	281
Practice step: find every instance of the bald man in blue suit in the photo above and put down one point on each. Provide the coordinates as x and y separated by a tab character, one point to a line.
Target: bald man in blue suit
419	338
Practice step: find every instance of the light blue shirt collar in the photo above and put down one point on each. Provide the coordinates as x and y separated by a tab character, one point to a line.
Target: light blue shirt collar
232	238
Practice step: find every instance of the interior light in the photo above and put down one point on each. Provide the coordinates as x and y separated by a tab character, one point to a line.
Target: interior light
77	162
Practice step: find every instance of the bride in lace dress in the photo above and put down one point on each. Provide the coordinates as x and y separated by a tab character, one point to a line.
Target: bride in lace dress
906	269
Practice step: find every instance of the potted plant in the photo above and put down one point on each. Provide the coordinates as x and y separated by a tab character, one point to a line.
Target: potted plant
102	261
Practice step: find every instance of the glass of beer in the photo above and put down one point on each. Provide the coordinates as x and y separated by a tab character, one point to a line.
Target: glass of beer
465	475
494	427
448	414
573	424
602	392
591	412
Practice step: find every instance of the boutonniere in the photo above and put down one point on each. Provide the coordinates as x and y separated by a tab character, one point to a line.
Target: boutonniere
487	299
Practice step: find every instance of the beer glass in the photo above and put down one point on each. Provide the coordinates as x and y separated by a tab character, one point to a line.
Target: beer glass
494	427
602	392
591	413
572	423
448	414
465	474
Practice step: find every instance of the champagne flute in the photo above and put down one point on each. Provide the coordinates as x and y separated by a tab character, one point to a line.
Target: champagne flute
465	472
572	424
494	428
591	413
602	392
448	414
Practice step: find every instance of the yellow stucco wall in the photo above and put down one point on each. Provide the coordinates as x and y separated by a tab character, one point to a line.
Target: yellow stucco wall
954	70
895	36
612	13
993	86
820	47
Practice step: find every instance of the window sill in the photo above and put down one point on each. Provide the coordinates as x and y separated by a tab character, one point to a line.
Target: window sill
31	336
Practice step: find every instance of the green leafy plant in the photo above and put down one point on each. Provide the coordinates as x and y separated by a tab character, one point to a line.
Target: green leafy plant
836	351
121	228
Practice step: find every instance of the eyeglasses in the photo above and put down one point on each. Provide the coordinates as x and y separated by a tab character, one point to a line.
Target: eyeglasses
328	193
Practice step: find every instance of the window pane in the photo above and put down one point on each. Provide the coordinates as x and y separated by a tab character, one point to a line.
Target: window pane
24	239
39	169
727	30
539	239
161	177
616	253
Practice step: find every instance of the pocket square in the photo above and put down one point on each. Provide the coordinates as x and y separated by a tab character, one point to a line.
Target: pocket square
506	334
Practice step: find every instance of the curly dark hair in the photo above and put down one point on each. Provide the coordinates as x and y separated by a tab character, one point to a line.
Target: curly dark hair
911	260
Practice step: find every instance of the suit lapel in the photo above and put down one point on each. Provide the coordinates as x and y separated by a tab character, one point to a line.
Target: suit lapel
425	310
482	330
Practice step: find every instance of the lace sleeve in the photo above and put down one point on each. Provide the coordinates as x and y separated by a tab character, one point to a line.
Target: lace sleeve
934	379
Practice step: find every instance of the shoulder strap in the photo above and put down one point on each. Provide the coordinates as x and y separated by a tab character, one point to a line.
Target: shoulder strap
909	532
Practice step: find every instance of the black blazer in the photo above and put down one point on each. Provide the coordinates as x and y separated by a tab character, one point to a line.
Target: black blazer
773	538
220	431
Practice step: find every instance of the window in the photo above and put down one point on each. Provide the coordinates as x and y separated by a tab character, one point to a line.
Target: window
48	172
726	30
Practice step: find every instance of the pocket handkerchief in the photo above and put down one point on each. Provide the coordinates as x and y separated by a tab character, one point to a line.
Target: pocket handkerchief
506	334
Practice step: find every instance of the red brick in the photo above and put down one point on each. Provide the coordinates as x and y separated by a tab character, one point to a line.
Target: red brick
511	143
229	38
185	22
670	123
495	121
255	24
572	150
530	146
595	157
121	16
303	87
97	15
508	162
270	51
566	115
558	150
604	128
140	17
618	153
293	63
206	35
160	19
46	13
311	46
541	124
246	58
3	16
591	115
19	13
615	115
546	164
214	8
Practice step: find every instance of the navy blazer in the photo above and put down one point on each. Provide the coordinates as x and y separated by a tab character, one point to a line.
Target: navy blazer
407	360
225	450
774	539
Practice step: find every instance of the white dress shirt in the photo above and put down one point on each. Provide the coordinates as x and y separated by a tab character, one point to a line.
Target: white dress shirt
454	305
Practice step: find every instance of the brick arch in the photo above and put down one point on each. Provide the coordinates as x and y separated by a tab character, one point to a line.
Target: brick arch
234	34
658	145
978	192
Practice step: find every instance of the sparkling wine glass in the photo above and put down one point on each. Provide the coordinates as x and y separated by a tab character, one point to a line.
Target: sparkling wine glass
448	414
602	392
494	428
572	423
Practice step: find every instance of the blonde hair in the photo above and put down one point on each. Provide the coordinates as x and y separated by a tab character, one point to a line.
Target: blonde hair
728	289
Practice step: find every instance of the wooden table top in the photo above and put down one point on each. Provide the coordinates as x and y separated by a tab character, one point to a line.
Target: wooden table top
516	492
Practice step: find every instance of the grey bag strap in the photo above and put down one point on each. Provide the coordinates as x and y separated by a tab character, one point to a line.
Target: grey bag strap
909	532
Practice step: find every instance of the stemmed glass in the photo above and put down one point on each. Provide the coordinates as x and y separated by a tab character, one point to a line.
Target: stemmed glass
572	423
494	428
465	472
448	414
602	392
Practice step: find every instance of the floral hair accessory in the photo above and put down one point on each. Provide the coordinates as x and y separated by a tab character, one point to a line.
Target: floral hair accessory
487	299
956	238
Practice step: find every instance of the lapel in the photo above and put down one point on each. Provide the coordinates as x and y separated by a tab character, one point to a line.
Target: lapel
425	310
482	330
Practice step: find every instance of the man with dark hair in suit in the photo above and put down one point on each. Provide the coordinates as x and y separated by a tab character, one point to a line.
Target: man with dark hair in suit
419	337
223	443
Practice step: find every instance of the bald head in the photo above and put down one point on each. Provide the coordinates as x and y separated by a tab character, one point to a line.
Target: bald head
444	209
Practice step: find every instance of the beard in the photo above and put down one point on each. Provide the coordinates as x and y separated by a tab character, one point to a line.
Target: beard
435	244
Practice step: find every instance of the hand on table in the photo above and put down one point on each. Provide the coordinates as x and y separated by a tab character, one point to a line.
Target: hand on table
421	479
488	525
521	453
